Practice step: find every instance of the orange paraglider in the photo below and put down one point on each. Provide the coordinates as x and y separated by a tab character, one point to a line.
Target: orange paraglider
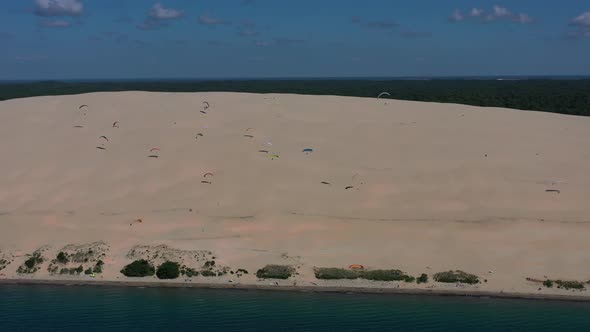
356	267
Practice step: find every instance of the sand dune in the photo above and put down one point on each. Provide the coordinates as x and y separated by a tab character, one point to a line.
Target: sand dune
433	185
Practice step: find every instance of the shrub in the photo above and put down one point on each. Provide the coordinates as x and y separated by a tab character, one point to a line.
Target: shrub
79	269
548	283
422	279
385	275
456	276
168	270
139	268
88	271
242	271
570	284
62	257
209	264
275	272
335	273
409	279
208	273
190	272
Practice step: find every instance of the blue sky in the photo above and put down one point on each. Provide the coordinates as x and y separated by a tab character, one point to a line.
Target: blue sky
66	39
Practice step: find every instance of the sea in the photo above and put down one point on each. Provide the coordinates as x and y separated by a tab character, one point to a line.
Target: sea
102	308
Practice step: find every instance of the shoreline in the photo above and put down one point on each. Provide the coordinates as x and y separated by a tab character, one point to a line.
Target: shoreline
303	289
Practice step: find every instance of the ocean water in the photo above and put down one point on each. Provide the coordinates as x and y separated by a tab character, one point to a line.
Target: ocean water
87	308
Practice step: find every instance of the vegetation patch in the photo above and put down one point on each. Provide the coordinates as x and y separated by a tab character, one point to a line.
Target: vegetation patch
208	273
570	284
72	256
548	283
386	275
139	268
422	279
168	270
188	271
456	276
275	272
331	273
31	265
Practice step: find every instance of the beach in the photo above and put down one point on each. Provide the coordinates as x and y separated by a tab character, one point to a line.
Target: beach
247	180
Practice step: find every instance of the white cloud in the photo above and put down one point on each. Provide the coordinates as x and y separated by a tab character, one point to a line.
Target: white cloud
210	20
55	24
498	13
160	13
159	16
58	7
582	20
580	25
476	12
456	16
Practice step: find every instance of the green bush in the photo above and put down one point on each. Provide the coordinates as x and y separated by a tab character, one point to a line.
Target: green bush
88	271
242	271
62	258
456	276
168	270
139	268
335	273
275	272
208	273
569	284
548	283
190	272
422	279
385	275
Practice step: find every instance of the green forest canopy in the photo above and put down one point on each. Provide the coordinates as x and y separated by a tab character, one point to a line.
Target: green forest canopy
547	95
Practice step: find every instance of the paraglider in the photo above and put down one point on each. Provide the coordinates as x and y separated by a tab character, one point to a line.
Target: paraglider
199	134
78	126
104	137
154	149
349	187
308	150
207	174
116	124
263	151
383	94
152	156
80	107
356	266
206	105
203	112
324	182
136	221
553	191
101	147
250	136
207	182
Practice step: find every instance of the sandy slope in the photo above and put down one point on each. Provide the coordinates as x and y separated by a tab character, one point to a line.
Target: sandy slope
435	185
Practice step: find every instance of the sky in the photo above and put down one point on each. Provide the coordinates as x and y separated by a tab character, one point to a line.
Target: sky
126	39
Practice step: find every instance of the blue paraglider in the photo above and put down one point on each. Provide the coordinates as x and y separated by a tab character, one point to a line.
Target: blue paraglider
308	150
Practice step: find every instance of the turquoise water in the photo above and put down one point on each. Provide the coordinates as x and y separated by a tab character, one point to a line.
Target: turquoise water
85	308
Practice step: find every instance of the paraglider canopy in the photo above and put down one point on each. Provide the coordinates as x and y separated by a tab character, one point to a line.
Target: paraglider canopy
116	124
356	266
207	174
307	150
206	105
104	137
80	107
383	94
154	149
